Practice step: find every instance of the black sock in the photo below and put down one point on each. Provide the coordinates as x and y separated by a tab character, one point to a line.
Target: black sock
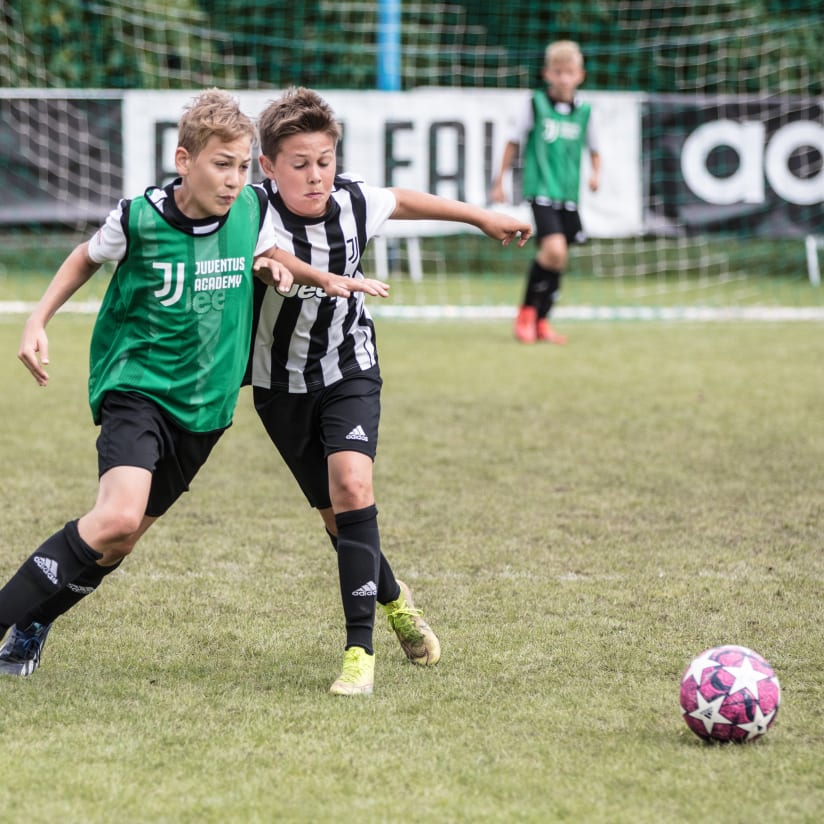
85	584
537	285
57	562
553	283
358	570
388	588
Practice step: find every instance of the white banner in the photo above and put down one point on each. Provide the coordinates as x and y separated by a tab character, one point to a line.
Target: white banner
445	141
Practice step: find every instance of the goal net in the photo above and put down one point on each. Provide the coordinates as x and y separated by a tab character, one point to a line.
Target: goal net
709	118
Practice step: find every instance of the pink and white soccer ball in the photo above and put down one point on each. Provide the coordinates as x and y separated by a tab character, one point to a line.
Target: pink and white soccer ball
729	694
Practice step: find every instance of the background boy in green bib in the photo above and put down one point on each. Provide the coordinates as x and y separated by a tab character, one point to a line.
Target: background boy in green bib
168	354
557	127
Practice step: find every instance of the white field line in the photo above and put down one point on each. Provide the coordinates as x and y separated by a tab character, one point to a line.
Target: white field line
651	313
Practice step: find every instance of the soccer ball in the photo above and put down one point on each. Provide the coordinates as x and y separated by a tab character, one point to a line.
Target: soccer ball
729	694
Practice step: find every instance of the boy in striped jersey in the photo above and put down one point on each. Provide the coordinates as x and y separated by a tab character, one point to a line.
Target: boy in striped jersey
168	354
314	364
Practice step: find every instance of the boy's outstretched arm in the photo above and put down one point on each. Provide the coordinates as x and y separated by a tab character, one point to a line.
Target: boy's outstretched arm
336	286
75	270
412	205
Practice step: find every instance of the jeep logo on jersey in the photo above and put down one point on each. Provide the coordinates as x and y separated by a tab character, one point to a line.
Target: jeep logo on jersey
304	292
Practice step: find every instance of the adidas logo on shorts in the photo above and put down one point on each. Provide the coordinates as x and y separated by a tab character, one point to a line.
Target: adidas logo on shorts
357	434
368	590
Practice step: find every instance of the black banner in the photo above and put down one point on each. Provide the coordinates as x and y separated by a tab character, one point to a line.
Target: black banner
733	165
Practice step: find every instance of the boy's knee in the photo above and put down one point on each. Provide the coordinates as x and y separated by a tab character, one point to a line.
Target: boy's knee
113	532
352	492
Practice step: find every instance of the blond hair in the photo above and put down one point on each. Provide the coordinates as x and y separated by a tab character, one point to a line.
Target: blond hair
297	111
213	112
562	51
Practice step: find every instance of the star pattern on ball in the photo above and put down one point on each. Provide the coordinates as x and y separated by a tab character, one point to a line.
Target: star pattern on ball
745	677
709	712
698	665
760	722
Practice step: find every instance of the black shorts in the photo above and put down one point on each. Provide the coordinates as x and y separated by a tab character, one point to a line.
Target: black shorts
134	432
555	219
308	427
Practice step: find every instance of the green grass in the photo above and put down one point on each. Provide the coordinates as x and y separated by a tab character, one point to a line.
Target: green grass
577	523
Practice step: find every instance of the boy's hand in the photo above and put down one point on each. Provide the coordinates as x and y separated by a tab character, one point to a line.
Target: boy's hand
496	194
273	273
369	285
34	350
505	228
339	286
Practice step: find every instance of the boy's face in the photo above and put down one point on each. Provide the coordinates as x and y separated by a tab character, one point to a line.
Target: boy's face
563	77
304	171
213	178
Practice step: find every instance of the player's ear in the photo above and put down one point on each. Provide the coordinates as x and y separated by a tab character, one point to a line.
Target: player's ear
267	166
182	160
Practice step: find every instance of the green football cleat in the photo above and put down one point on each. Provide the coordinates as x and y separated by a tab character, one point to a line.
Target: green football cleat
420	644
358	676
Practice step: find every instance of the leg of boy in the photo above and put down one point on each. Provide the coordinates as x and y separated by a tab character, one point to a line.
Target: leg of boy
70	565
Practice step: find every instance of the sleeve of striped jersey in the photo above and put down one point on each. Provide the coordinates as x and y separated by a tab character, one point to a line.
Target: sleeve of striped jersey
380	203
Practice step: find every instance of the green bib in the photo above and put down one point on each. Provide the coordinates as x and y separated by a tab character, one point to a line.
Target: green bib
552	163
175	322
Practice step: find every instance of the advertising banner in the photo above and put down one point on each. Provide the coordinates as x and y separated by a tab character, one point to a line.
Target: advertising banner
734	164
444	141
670	164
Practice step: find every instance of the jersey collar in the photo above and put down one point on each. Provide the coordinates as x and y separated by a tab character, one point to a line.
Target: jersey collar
164	203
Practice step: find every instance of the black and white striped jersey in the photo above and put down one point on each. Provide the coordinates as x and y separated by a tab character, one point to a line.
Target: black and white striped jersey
305	340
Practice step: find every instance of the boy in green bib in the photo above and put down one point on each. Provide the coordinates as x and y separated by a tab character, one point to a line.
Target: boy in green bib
168	354
555	127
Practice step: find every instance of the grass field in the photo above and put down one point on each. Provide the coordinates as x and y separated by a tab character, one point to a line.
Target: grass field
577	523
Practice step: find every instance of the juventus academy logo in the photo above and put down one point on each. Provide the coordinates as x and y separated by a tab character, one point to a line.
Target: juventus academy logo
172	289
352	253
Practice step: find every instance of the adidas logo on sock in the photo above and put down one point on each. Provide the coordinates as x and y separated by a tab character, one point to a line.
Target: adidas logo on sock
357	434
368	590
48	566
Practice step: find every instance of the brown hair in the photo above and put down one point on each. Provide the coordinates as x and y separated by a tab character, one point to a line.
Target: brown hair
213	112
297	111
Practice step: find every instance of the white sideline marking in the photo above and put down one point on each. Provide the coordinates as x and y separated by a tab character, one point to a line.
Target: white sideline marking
674	313
656	313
